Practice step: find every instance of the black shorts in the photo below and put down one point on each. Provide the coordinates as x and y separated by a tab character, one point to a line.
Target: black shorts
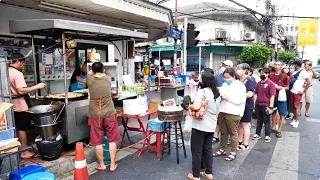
247	115
23	121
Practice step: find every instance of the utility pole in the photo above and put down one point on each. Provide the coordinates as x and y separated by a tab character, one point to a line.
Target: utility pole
267	23
185	27
175	39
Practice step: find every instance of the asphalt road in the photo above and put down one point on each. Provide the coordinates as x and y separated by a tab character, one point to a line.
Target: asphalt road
294	157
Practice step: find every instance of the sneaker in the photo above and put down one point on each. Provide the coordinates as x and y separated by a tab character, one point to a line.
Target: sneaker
279	134
292	122
296	124
288	116
256	136
267	139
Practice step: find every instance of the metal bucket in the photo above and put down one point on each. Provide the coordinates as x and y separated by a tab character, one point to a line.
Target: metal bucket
45	118
48	132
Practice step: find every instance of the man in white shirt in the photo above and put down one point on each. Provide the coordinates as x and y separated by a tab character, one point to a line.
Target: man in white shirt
299	88
308	96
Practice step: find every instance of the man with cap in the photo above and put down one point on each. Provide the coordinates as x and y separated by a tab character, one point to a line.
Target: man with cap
220	79
299	84
21	99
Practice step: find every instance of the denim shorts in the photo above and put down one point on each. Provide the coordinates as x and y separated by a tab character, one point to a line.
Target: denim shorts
282	107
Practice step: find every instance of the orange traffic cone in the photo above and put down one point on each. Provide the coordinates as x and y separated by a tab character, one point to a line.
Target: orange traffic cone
80	164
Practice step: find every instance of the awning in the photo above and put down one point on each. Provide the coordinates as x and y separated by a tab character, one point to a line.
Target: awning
139	15
75	28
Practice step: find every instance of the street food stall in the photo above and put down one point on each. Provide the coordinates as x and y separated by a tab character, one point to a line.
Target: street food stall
73	119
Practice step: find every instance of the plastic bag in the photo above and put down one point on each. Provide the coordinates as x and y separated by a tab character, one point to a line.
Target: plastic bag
50	149
282	95
188	124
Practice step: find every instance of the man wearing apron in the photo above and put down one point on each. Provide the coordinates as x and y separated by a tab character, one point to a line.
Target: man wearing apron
21	100
78	78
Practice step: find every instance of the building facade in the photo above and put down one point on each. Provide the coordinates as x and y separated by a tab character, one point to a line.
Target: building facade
224	32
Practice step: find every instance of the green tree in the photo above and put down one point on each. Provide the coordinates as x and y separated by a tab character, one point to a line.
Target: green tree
286	56
256	53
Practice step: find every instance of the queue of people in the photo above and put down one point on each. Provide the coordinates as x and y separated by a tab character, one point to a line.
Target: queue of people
233	96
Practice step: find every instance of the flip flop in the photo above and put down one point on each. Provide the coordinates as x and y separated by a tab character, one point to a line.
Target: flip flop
114	170
99	168
191	177
206	176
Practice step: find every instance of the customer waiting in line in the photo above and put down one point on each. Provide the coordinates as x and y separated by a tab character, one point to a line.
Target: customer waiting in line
244	126
203	129
102	115
282	83
301	82
264	100
233	100
220	80
307	98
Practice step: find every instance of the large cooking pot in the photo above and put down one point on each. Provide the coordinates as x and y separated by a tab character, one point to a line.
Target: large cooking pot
46	119
170	116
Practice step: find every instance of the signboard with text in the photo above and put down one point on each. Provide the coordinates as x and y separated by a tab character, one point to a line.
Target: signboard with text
308	32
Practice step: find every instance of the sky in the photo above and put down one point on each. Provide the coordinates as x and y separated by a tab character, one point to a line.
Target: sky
298	7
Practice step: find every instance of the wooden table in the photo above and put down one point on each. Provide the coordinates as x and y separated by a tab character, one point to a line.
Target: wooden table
141	128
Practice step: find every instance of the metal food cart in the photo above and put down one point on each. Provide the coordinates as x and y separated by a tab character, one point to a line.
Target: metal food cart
75	122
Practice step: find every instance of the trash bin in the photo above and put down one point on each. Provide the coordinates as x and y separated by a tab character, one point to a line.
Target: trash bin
106	153
50	149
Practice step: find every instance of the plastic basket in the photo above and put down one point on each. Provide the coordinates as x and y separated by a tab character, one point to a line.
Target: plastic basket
156	125
9	134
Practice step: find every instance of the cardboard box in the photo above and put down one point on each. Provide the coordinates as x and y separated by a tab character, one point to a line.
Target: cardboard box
154	104
3	120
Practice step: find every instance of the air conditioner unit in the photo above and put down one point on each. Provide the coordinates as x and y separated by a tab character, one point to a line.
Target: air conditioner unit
249	36
221	34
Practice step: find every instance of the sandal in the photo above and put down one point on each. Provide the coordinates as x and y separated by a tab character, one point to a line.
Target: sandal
35	155
215	139
219	153
243	147
100	168
191	177
115	168
231	157
206	176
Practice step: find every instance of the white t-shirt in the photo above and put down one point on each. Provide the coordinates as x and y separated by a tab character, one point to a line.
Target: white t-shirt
298	86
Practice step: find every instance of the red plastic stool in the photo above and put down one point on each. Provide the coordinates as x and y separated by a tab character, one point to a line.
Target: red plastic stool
157	146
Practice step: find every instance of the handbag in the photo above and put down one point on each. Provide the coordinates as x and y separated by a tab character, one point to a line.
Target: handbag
282	95
200	114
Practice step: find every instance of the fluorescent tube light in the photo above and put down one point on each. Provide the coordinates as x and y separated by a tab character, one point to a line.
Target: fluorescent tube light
63	7
61	10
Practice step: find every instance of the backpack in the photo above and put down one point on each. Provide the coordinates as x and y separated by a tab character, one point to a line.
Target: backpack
293	79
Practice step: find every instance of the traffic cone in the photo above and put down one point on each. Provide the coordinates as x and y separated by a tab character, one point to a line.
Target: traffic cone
80	164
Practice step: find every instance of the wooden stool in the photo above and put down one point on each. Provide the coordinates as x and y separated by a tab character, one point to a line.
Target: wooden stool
157	146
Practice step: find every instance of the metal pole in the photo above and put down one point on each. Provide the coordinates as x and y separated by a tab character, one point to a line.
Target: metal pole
184	62
199	60
123	58
175	40
34	64
64	67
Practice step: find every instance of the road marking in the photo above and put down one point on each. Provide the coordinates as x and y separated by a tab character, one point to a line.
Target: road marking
313	120
319	138
285	165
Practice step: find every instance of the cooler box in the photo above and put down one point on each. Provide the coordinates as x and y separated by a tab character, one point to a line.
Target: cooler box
23	172
134	107
40	176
